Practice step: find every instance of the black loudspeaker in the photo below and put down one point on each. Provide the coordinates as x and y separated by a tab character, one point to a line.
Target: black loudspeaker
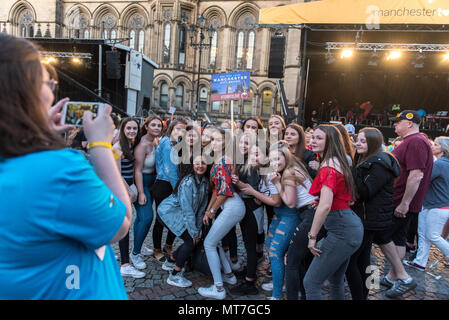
113	70
276	63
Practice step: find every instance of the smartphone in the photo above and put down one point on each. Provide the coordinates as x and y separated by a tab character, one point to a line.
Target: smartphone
73	111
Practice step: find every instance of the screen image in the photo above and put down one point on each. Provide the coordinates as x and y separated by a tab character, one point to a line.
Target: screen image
75	112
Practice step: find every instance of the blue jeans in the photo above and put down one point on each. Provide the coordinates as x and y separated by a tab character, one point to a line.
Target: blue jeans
144	214
344	237
233	211
279	235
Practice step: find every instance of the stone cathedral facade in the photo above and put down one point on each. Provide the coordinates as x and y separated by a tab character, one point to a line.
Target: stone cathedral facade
160	30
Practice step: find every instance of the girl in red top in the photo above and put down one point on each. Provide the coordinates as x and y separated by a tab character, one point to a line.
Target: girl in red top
335	187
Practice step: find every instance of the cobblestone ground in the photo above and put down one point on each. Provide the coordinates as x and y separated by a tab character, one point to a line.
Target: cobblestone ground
154	286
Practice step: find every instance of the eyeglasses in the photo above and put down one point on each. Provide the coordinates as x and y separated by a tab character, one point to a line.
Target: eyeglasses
52	84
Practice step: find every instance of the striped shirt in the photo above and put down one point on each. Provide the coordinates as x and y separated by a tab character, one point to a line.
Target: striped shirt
127	170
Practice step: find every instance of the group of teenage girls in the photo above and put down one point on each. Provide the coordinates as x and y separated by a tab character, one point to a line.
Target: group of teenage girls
218	177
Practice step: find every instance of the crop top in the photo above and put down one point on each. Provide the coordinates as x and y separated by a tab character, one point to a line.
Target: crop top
336	181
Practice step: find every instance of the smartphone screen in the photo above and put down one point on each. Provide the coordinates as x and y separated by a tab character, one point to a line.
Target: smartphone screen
75	111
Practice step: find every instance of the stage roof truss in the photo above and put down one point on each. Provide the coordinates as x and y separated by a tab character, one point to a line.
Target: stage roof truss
60	54
418	47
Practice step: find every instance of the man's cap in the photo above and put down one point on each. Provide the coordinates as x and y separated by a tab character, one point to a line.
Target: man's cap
350	128
410	115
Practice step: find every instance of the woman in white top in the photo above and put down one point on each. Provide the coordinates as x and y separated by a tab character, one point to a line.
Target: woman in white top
290	178
299	256
144	174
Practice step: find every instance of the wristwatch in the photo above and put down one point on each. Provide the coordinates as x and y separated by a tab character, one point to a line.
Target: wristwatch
311	237
212	211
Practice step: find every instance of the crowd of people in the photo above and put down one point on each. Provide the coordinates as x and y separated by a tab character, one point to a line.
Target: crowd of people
326	194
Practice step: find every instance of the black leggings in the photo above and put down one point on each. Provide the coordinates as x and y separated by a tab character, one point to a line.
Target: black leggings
356	274
123	244
270	214
161	190
124	249
184	251
248	225
299	256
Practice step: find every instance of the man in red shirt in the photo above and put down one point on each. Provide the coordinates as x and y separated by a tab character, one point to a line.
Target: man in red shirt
415	158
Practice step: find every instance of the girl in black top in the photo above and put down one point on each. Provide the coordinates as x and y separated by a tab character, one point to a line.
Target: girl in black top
246	174
374	172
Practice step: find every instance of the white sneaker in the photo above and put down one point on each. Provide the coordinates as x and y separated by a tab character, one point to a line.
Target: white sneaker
146	251
168	266
269	287
212	292
236	266
229	279
138	261
272	298
130	271
178	280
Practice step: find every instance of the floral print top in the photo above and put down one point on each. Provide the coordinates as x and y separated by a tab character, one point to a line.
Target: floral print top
221	177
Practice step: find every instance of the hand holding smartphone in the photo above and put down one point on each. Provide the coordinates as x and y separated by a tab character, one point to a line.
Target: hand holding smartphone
73	111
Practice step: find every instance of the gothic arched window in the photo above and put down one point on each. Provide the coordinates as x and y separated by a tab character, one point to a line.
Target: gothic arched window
203	98
179	95
132	39
182	45
166	44
213	50
136	33
266	101
26	22
246	43
141	45
163	97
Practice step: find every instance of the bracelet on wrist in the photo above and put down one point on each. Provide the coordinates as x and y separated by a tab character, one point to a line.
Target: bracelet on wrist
311	237
94	144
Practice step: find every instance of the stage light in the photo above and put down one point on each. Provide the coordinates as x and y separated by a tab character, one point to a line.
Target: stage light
394	55
50	60
446	57
76	60
347	53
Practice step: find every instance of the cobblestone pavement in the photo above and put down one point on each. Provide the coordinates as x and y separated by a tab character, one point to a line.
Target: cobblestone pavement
154	286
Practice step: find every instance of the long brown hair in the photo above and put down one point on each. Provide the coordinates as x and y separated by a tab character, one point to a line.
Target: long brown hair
291	162
124	144
24	123
301	146
282	122
173	123
349	149
148	120
374	140
254	118
334	148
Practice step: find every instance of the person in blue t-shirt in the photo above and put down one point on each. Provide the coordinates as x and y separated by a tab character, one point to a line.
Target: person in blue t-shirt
59	213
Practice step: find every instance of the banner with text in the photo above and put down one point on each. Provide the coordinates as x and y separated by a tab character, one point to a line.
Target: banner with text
369	12
230	86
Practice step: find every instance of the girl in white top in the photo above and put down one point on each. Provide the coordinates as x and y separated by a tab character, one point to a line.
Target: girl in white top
144	174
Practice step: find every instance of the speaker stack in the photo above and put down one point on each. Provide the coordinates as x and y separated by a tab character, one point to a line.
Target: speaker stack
276	62
113	69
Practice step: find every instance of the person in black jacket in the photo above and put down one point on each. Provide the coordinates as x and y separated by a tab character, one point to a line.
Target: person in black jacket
374	172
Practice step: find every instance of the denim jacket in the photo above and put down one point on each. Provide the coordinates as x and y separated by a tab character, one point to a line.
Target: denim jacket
166	169
185	211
